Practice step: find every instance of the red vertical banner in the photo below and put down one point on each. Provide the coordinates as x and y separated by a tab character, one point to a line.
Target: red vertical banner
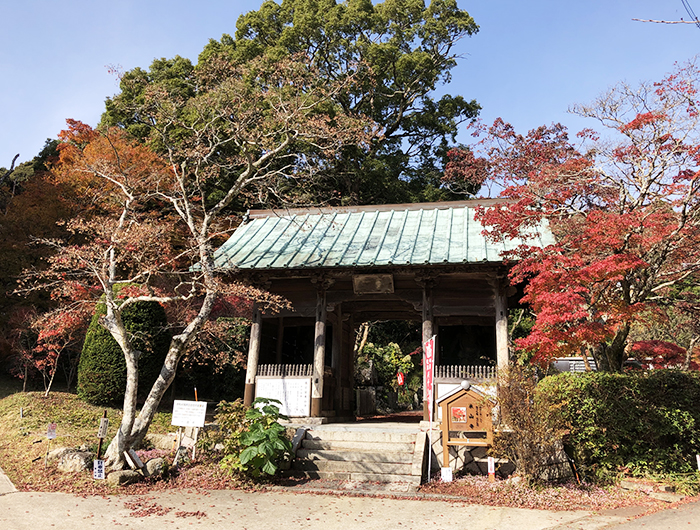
429	368
428	371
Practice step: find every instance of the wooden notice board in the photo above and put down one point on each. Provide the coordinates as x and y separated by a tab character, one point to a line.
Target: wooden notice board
467	420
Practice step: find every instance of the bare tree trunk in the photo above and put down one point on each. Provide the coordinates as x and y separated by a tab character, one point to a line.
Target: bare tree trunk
611	357
586	362
53	374
689	353
9	172
122	441
363	332
133	428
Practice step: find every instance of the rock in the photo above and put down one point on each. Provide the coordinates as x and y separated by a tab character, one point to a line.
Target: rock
636	486
73	461
666	496
164	442
122	478
155	467
479	453
56	454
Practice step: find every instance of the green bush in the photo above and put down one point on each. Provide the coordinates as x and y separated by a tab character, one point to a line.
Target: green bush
254	442
640	423
102	368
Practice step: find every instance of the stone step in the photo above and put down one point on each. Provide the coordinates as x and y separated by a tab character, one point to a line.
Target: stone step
340	445
363	435
359	477
380	455
338	466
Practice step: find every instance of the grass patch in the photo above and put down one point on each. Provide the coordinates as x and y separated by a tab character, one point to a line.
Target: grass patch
24	418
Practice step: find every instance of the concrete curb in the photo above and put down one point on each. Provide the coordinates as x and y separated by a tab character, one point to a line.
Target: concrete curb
6	485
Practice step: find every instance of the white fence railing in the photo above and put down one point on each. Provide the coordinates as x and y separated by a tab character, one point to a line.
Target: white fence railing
285	370
465	372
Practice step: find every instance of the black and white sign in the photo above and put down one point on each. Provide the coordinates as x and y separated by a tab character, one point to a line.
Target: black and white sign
293	392
98	469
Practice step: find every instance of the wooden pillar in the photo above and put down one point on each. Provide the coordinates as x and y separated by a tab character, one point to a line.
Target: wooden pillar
280	340
337	356
501	324
427	317
319	354
253	356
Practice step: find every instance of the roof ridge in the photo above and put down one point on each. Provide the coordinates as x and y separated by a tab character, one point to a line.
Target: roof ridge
315	210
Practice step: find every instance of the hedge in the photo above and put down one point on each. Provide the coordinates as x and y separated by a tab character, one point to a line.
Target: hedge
102	368
644	422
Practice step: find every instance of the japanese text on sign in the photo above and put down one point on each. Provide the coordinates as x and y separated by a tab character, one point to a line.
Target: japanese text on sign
189	413
102	431
98	469
428	366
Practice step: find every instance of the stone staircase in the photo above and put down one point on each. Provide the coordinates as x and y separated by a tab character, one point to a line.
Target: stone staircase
374	454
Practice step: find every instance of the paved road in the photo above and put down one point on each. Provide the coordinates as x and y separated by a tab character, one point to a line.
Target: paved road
270	510
285	510
683	517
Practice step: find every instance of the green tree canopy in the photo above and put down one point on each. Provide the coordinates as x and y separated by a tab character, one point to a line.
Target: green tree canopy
398	51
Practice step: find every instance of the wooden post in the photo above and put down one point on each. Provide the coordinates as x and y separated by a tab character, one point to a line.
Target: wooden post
280	339
501	324
319	355
337	356
253	356
427	334
99	444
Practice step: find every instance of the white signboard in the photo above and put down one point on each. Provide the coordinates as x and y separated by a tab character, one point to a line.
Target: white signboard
293	392
189	413
102	431
51	431
98	469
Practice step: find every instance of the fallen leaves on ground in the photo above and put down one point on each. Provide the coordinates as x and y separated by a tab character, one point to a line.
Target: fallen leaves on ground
513	494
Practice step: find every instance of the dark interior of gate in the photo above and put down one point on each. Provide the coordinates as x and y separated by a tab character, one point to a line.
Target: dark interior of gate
458	307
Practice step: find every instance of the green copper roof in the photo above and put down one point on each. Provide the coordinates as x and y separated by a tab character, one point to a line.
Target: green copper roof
407	234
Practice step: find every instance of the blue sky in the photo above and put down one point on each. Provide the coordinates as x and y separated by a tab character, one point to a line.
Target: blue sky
530	61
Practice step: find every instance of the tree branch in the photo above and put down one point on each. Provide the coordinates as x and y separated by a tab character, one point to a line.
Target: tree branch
9	171
666	21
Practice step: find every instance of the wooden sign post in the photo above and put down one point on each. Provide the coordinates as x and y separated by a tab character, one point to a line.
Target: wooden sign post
98	467
50	435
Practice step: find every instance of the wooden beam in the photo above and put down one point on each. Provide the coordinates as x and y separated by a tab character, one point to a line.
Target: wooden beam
253	356
501	324
280	339
337	356
319	354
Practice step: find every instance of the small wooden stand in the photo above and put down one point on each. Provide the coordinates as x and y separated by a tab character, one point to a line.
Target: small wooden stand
466	420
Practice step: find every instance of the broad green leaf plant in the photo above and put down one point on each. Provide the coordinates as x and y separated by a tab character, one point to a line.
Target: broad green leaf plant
254	442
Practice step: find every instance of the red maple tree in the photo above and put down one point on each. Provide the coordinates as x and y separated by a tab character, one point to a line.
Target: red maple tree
154	210
624	208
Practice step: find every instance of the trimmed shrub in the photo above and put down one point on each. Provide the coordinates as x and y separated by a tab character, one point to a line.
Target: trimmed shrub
102	369
644	422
